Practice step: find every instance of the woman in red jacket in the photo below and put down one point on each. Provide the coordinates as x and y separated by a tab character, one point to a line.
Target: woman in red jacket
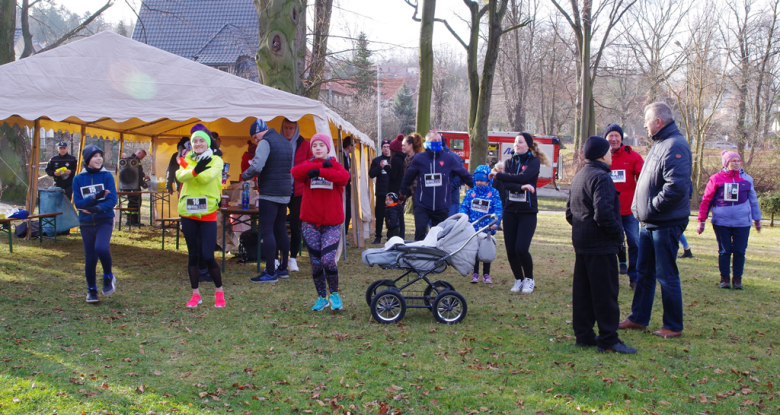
322	213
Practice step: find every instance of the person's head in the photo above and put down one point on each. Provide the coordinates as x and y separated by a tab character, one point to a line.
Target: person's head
92	156
614	134
416	141
182	142
657	115
216	141
396	146
347	144
200	142
433	141
62	148
257	130
386	148
597	149
731	160
482	175
499	168
140	154
391	198
321	145
288	128
523	143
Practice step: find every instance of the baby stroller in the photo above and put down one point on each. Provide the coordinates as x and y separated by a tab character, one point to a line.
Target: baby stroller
452	243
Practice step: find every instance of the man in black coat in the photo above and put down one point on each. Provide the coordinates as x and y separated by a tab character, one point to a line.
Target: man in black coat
380	170
593	210
63	179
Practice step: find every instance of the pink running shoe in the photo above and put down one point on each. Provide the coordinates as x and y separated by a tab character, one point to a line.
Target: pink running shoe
475	278
487	279
219	300
194	301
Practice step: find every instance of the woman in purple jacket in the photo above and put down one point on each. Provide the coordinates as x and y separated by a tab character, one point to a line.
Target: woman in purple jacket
732	199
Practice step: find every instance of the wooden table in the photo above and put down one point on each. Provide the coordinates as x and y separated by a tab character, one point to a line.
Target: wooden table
253	214
49	219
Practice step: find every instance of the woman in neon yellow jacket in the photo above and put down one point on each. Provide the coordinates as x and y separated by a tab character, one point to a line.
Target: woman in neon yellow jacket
200	175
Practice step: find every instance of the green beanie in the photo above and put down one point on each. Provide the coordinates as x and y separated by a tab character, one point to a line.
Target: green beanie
202	134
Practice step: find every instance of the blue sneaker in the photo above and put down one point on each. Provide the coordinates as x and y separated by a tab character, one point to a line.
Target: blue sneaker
264	277
335	301
321	303
109	284
282	274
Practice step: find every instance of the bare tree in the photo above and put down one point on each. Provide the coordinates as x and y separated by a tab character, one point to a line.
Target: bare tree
319	48
27	36
7	30
518	61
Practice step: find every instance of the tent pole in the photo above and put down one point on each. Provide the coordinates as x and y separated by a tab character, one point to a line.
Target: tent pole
344	229
357	223
32	189
82	143
121	154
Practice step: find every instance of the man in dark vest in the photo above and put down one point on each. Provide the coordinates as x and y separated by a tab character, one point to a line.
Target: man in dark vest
62	178
271	166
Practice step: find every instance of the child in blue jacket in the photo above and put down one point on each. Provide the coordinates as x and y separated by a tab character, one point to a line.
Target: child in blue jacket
480	201
94	194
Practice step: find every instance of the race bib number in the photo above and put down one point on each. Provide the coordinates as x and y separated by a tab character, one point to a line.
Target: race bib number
731	192
433	180
197	205
87	191
619	176
480	205
320	183
518	196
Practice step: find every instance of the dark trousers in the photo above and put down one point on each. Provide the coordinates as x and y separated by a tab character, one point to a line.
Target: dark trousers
96	243
347	210
379	214
731	241
201	236
68	192
595	299
295	225
134	202
421	218
519	230
273	232
485	267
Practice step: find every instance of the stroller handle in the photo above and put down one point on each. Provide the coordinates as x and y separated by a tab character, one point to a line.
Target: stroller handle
492	216
494	219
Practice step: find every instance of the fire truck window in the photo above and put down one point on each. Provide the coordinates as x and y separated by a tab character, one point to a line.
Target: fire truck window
456	144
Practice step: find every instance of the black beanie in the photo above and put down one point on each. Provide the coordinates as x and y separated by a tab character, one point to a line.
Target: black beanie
529	140
385	142
595	148
88	152
613	127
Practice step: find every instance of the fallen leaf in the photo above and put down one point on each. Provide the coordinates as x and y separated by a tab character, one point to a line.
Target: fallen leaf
140	389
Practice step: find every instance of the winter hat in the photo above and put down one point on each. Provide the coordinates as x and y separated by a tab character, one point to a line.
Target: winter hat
595	148
393	196
529	139
88	152
324	138
200	127
62	144
726	156
613	127
481	173
180	144
384	142
202	134
397	144
257	127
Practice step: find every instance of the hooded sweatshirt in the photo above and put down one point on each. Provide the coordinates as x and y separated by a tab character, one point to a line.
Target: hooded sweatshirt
432	170
85	186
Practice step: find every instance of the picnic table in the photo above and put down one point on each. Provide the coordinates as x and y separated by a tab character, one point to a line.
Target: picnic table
48	219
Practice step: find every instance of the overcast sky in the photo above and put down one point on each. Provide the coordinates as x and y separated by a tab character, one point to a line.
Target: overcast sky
388	23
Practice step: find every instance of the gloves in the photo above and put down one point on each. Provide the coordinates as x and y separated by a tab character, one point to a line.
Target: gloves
700	228
757	223
402	198
313	173
327	163
92	209
202	165
100	195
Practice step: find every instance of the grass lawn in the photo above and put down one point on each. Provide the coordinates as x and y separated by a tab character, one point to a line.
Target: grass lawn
141	351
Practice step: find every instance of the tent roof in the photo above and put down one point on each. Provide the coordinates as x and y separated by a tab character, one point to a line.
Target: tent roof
111	82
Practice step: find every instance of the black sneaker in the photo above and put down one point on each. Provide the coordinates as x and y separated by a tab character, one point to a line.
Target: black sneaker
623	268
109	286
377	241
92	296
632	285
205	276
264	277
282	273
618	347
593	343
686	254
737	283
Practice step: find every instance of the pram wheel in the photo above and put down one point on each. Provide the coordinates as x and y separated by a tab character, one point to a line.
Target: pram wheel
440	287
377	286
449	307
388	306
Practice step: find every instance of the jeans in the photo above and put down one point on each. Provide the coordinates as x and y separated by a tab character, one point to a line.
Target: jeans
684	242
96	247
731	241
658	261
631	229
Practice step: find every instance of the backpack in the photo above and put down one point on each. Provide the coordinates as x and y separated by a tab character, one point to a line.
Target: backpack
247	246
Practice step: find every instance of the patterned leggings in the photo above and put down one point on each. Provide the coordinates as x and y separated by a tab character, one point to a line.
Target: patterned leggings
322	242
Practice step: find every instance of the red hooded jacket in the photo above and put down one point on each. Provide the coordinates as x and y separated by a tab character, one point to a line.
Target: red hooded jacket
626	166
320	206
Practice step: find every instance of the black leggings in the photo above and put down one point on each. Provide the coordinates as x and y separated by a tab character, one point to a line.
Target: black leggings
485	267
519	229
273	231
201	236
295	225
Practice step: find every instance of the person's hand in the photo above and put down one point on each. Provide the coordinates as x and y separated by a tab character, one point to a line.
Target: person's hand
402	198
757	224
170	191
101	194
67	172
90	210
529	187
327	163
700	227
491	175
202	165
58	174
494	227
313	173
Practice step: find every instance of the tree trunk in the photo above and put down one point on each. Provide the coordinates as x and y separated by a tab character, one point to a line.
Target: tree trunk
587	128
426	67
28	46
277	28
472	67
7	30
319	46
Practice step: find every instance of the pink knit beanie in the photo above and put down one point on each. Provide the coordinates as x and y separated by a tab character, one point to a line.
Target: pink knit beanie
324	138
726	156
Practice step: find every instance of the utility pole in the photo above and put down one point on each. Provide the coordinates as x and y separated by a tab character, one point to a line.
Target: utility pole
378	108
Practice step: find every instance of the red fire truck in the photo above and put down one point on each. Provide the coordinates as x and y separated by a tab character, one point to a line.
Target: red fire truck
500	148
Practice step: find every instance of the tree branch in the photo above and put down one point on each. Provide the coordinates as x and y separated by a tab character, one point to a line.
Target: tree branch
78	28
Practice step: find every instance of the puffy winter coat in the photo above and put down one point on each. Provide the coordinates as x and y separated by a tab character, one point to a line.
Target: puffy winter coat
663	191
593	211
85	185
207	184
432	171
731	198
396	173
625	168
322	205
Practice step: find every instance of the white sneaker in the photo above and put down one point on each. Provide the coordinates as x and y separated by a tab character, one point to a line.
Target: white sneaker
528	286
292	265
517	287
276	264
